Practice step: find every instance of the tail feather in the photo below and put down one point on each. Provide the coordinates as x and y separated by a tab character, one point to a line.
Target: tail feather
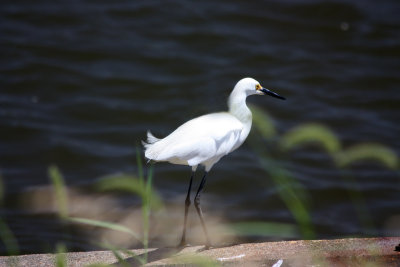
151	140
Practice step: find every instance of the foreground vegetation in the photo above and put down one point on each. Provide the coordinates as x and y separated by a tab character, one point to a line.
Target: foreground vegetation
272	150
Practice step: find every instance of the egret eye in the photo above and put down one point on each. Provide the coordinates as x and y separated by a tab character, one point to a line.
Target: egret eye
258	87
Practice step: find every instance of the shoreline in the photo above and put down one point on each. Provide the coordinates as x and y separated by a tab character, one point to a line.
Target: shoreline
337	252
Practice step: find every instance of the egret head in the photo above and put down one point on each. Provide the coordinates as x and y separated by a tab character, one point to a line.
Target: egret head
252	87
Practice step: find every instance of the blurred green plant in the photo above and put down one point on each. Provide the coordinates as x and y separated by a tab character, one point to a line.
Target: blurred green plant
104	224
117	252
61	258
137	185
291	192
6	235
264	122
367	152
311	133
60	192
61	200
370	152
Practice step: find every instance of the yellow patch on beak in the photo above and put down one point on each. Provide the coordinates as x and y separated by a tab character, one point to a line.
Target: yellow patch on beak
258	87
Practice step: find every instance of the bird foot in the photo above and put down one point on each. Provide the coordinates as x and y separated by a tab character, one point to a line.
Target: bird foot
206	247
183	244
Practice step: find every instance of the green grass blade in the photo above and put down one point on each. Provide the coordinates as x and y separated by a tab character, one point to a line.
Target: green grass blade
368	152
149	191
263	122
59	190
123	183
146	209
295	200
296	205
139	162
8	239
120	258
130	184
107	225
61	258
311	133
6	235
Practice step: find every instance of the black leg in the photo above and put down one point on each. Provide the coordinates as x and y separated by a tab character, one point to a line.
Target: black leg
187	204
198	208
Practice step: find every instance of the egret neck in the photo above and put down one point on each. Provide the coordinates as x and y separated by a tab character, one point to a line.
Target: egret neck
238	108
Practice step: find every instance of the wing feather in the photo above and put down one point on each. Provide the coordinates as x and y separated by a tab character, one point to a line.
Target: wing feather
198	140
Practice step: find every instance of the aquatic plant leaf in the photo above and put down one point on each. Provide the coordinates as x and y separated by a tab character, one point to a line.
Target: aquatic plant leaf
311	133
368	151
263	122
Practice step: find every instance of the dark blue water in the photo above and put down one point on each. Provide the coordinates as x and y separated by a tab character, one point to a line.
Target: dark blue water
82	81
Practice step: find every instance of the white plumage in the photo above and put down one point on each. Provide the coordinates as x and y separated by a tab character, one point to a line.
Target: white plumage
206	139
203	140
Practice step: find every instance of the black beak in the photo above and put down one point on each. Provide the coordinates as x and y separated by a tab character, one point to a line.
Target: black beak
269	92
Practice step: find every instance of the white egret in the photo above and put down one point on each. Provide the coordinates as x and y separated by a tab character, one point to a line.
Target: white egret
206	139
